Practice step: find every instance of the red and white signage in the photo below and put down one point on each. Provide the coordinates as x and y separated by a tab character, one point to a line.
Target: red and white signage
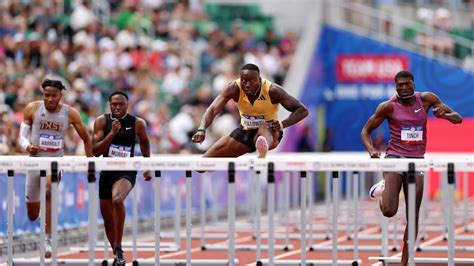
369	68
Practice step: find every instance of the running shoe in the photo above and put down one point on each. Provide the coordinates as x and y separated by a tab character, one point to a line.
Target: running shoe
262	147
119	259
377	189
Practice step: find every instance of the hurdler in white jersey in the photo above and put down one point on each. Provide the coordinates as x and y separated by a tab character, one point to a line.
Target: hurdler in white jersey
42	135
48	130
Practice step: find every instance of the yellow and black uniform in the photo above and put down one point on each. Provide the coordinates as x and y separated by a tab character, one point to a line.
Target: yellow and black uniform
122	145
262	110
252	116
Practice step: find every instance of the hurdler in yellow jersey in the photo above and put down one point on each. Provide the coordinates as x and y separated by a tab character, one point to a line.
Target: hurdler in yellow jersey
258	101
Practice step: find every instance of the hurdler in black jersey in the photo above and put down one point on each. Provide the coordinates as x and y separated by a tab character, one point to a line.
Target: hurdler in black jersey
114	136
122	145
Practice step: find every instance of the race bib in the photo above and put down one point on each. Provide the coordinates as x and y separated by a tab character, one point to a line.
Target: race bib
119	151
50	142
251	121
412	134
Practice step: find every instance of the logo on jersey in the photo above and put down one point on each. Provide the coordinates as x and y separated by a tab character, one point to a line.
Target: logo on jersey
49	125
261	98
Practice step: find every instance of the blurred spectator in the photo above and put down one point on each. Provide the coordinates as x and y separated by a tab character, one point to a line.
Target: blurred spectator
304	143
5	129
443	25
424	18
386	6
82	15
328	142
182	125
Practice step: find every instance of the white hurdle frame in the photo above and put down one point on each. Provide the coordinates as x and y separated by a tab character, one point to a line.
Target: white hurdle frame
188	163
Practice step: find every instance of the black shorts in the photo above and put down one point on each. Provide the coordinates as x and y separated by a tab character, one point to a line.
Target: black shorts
108	178
247	136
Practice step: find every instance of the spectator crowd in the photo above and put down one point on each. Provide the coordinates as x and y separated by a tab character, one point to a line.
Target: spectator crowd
156	51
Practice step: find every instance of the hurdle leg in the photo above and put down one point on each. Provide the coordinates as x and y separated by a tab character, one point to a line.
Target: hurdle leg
54	211
450	211
134	223
444	207
355	195
465	200
42	215
303	216
335	206
327	185
253	200
310	207
258	214
362	194
157	216
294	193
188	217
202	206
177	216
231	213
214	207
286	195
92	211
411	213
10	207
271	210
349	178
424	208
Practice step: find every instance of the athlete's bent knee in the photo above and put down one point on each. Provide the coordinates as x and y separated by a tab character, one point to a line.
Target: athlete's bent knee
118	202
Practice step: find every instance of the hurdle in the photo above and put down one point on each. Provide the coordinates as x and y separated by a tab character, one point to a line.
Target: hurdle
303	165
256	226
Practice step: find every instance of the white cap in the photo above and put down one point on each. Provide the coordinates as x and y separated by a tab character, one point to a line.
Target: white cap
158	45
79	85
442	13
424	14
106	43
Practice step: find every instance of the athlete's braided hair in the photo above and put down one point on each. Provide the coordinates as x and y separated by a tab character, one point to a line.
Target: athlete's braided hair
53	83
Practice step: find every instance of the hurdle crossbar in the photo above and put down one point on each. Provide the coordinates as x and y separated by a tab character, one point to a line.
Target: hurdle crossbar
194	163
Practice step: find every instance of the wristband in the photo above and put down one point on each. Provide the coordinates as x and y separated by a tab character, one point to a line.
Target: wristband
202	129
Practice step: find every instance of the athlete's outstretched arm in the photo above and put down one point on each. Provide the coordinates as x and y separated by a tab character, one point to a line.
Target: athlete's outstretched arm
290	103
75	120
101	142
231	91
440	109
383	111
